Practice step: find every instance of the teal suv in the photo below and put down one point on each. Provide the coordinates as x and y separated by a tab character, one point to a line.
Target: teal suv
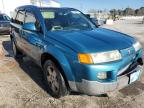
73	52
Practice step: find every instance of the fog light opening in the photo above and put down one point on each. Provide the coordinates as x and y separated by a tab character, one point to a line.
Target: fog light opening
102	75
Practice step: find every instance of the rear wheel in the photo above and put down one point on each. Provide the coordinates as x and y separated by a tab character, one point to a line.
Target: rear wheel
16	52
54	80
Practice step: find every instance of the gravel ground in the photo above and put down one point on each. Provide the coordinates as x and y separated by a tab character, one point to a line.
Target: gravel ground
21	82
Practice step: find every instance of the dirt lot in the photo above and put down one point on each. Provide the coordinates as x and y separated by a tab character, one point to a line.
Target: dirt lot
21	82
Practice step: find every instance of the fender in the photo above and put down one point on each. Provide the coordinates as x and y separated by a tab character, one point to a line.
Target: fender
60	57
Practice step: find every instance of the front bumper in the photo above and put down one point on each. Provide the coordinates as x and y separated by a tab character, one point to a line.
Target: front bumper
95	87
118	74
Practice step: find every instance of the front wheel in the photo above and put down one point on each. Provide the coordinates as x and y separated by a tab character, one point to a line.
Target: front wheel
54	80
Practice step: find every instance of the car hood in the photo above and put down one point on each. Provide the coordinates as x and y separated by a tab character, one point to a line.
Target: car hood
91	41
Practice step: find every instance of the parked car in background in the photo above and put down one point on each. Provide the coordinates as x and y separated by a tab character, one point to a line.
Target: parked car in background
74	54
98	22
4	24
95	21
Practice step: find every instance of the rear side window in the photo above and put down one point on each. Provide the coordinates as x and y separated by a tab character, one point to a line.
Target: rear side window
20	17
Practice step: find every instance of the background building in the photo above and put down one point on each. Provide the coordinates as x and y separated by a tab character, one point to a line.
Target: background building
43	3
7	6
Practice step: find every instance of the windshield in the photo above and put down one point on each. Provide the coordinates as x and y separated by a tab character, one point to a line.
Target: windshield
3	17
66	20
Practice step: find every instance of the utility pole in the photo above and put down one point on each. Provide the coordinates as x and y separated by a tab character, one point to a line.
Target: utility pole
81	7
40	2
3	6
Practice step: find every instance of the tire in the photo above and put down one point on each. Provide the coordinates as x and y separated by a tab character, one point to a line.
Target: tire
54	81
16	53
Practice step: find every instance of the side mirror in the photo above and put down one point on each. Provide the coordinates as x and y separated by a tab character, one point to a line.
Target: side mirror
29	26
94	21
88	15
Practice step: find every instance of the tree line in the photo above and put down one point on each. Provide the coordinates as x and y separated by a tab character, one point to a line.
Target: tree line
128	12
121	12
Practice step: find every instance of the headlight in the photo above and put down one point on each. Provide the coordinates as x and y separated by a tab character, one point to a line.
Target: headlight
137	46
99	57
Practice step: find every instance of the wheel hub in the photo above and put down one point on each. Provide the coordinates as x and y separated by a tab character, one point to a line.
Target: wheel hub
52	79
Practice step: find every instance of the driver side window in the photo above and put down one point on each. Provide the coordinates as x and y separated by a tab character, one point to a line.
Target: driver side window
30	18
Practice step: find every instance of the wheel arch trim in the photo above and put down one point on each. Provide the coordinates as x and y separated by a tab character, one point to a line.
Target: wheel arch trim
63	62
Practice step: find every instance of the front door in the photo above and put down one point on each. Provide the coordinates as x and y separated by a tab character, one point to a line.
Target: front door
32	40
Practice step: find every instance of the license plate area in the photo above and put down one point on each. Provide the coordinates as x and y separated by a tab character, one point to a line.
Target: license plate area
134	76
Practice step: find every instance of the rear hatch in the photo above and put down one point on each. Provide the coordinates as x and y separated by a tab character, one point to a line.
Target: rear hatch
4	21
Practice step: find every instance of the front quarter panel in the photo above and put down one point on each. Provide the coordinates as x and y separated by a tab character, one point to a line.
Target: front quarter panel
62	59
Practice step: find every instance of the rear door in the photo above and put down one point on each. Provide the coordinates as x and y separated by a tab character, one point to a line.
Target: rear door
16	27
32	40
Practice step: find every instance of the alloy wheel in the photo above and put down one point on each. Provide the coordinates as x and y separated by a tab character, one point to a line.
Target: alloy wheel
52	79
